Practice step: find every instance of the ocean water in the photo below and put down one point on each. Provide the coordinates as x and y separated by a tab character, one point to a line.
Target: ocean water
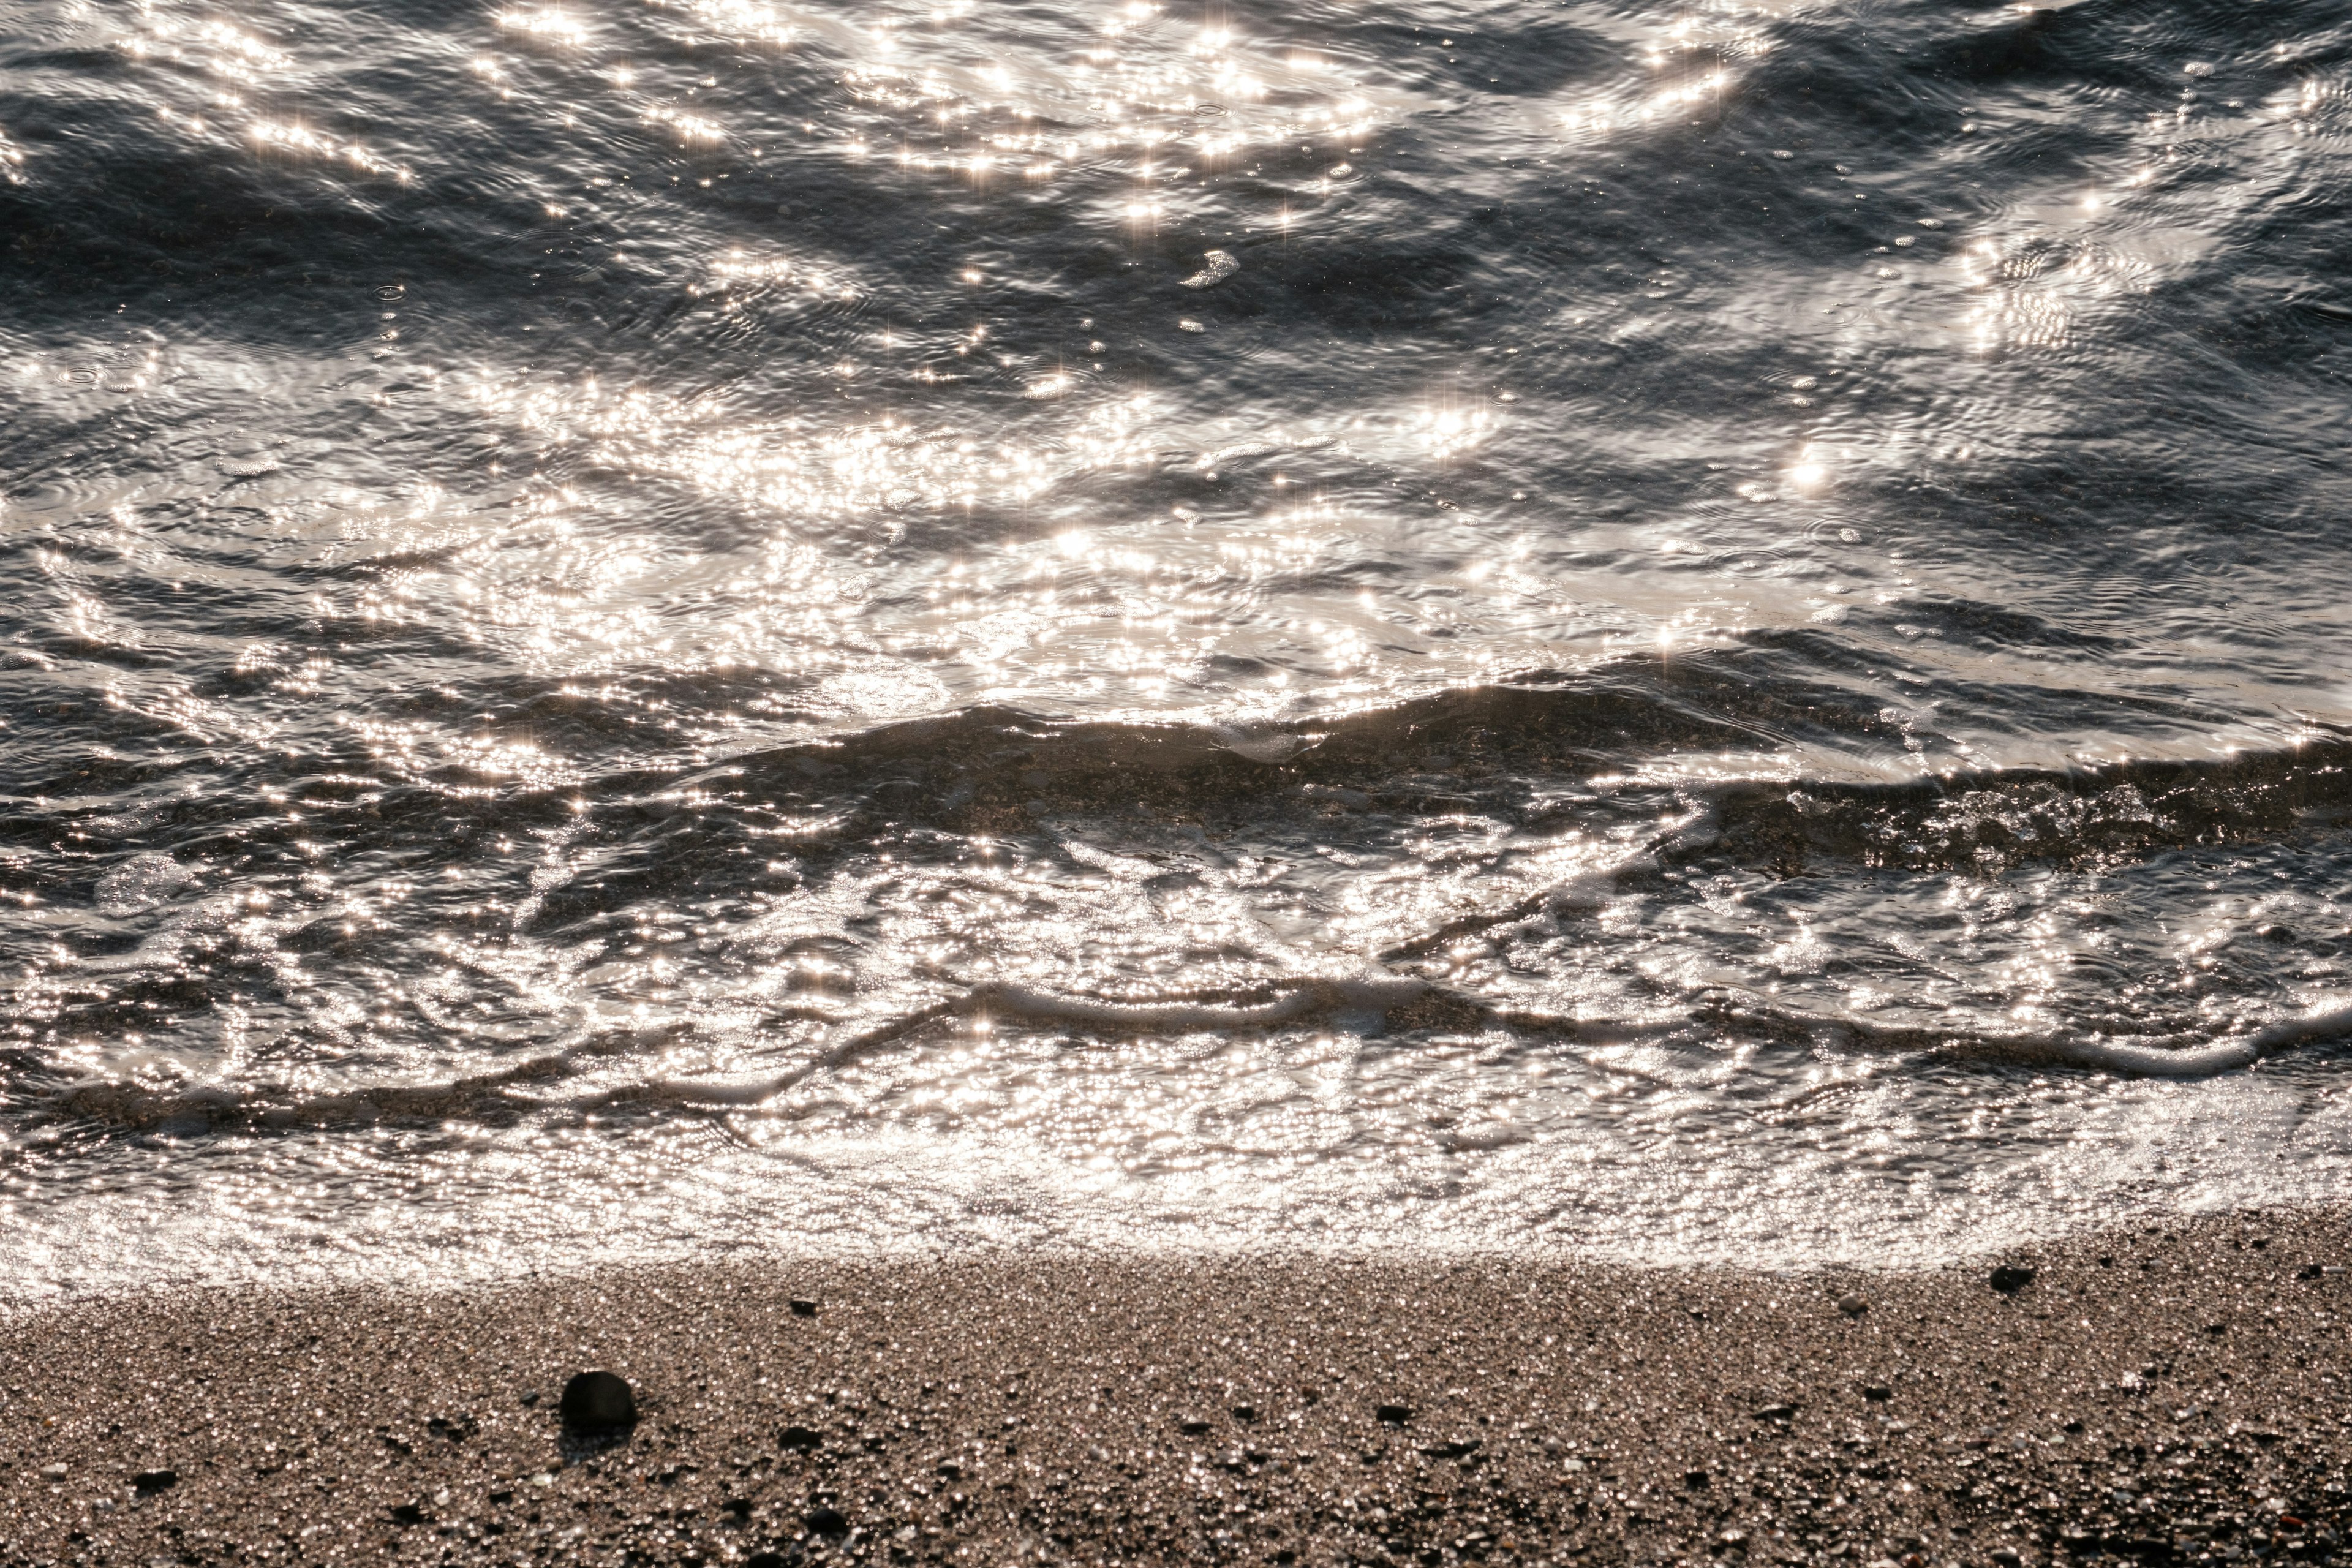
654	628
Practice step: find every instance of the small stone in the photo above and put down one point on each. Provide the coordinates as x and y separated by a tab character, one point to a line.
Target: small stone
1877	1393
2009	1279
1244	1413
529	1398
803	1307
2311	1271
53	1472
595	1401
950	1470
1393	1415
826	1522
1194	1427
407	1513
1777	1413
1852	1305
799	1439
147	1483
1697	1480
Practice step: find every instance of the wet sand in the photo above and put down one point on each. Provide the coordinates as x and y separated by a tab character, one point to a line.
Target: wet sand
2174	1394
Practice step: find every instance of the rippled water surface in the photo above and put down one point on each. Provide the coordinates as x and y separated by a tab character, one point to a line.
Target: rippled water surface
652	625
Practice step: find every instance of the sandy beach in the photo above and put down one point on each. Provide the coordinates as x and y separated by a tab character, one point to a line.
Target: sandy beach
2166	1395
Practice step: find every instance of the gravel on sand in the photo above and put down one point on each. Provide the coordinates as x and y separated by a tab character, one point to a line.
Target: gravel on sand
2169	1395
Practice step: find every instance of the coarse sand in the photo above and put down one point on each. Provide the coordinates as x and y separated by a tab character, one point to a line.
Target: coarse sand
2174	1393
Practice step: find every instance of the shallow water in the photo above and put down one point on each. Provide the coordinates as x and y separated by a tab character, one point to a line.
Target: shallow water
629	629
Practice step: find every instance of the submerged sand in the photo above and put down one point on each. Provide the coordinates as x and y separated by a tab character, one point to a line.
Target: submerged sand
2178	1393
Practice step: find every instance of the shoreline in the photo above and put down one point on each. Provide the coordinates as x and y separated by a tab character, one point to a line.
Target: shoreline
2177	1393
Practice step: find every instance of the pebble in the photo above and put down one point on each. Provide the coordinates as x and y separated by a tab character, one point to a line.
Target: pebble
53	1472
2009	1279
1393	1415
147	1483
1852	1305
799	1439
803	1307
597	1400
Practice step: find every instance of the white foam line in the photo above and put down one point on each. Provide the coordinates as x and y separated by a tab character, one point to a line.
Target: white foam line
1315	996
2331	1018
1306	1000
2140	1061
2147	1056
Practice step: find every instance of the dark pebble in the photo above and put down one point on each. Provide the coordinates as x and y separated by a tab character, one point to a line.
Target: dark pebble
1244	1413
407	1513
1193	1428
1393	1415
529	1398
2009	1279
799	1439
1777	1413
2310	1271
1697	1480
826	1522
593	1401
147	1483
801	1308
1877	1393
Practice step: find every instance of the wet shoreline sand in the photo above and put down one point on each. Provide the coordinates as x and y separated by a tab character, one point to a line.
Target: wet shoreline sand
2175	1392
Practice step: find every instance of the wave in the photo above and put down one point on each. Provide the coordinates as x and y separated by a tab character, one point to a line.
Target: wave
1378	1001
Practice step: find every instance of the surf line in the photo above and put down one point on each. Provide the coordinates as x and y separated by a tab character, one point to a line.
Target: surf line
1370	996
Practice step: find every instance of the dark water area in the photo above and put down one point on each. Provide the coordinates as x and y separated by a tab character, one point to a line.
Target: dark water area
1692	632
